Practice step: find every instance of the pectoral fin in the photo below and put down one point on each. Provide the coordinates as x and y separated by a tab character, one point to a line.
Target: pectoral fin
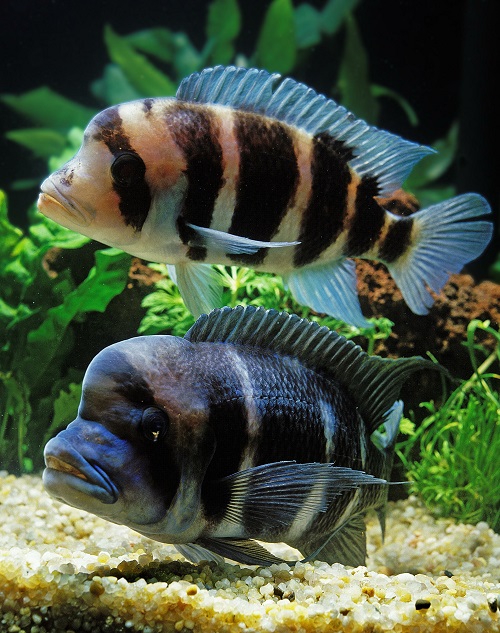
266	499
230	244
243	551
347	545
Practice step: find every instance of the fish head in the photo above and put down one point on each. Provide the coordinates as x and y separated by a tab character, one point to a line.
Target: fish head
127	457
108	190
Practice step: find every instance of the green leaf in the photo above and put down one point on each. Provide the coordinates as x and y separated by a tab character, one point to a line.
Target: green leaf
65	408
223	26
158	42
353	81
105	280
11	235
308	25
141	74
334	13
42	141
276	46
114	87
46	108
434	166
382	91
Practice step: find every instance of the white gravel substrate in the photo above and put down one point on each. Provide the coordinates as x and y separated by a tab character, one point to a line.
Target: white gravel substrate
62	569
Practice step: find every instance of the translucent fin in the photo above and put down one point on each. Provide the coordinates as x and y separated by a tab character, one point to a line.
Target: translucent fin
231	244
243	551
373	382
379	154
199	285
447	236
330	289
347	545
387	440
266	498
196	553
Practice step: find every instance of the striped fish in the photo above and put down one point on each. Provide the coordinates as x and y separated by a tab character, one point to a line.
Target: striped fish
256	425
242	168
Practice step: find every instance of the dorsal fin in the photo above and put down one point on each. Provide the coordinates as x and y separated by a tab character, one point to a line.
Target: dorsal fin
377	153
373	382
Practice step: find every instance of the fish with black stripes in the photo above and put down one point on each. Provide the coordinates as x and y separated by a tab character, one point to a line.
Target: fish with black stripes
244	168
256	425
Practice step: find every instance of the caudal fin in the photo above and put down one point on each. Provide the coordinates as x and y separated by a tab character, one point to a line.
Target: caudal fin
446	236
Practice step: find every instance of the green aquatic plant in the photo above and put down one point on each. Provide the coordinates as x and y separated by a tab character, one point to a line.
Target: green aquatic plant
36	336
456	469
166	312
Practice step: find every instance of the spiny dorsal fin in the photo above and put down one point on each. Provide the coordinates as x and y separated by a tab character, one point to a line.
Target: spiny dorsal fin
373	382
377	153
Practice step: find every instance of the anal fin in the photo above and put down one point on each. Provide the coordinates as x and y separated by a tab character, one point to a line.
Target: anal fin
347	545
199	285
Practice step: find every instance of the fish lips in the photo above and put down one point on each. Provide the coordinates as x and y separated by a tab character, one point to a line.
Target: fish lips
61	207
67	472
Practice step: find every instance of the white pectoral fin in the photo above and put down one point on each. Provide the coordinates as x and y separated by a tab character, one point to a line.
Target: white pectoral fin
329	288
200	286
231	244
243	551
196	553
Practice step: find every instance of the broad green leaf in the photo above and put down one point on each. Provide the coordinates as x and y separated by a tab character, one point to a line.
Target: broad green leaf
223	25
42	141
434	166
187	59
105	280
158	42
65	407
308	25
142	75
276	46
45	107
382	91
353	79
334	13
114	87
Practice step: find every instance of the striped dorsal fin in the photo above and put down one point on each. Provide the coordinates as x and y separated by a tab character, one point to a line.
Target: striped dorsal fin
373	382
384	156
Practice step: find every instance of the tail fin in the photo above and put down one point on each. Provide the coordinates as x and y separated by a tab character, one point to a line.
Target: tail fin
447	237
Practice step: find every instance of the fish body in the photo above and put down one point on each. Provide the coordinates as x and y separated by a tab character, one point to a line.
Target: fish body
256	425
240	168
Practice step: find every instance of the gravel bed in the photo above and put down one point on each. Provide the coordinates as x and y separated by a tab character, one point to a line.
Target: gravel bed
62	569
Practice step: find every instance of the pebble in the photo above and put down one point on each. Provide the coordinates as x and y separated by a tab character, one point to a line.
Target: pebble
71	571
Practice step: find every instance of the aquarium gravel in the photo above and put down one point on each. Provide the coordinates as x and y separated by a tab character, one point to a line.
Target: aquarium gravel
62	569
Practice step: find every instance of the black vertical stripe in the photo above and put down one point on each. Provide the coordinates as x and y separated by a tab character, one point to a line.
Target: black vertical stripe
368	219
195	132
135	200
323	218
268	179
397	240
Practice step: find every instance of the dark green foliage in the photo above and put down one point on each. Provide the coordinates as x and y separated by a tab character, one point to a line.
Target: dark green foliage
36	337
452	459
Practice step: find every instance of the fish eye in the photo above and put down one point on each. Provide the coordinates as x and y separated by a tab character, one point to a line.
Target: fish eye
128	169
154	424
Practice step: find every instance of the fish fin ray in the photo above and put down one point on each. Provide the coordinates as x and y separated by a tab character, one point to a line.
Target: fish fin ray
197	553
373	382
200	287
329	288
231	244
449	236
270	496
377	153
244	551
347	545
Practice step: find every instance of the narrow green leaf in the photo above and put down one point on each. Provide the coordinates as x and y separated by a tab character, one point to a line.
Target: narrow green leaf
142	75
334	13
276	47
114	87
158	42
382	91
434	166
42	141
353	81
45	107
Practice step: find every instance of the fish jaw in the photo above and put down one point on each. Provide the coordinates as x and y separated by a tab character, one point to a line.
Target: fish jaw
70	478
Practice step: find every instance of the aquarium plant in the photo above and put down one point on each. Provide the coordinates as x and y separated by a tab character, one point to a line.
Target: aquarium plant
451	459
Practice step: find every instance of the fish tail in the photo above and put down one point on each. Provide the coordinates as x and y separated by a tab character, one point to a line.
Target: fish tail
421	251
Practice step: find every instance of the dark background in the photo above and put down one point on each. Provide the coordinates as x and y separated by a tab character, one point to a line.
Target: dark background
441	55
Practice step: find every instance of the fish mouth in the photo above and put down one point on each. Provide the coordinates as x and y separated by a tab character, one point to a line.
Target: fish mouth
60	207
63	478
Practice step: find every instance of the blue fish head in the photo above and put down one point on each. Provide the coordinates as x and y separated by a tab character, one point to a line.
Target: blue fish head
126	456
